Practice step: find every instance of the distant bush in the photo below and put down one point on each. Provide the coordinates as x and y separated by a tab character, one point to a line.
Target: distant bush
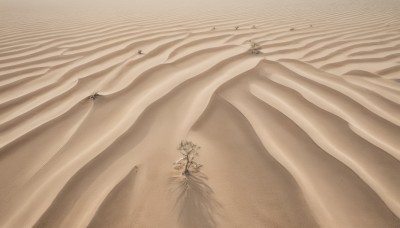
189	152
94	96
255	48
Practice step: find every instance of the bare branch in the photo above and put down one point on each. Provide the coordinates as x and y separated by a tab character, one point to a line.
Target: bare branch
189	152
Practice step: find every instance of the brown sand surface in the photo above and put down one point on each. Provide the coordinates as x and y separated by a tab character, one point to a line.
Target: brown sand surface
304	134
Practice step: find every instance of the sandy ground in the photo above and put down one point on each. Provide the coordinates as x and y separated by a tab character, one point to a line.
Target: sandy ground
304	134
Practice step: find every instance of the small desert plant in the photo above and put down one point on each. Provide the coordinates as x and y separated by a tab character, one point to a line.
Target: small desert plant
254	27
291	29
213	28
236	27
189	152
140	52
255	48
311	26
94	96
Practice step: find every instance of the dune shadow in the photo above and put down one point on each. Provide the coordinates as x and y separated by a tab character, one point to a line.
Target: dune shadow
194	201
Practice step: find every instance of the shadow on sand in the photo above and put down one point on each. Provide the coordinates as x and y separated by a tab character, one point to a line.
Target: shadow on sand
194	201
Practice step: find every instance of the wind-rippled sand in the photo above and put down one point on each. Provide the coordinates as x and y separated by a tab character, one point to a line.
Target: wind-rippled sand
305	134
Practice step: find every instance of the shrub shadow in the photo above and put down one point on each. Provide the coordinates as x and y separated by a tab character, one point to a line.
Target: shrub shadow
194	201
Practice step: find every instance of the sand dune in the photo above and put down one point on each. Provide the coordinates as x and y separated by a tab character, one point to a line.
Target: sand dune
304	134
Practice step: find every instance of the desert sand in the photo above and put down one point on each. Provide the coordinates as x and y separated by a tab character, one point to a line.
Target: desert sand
304	134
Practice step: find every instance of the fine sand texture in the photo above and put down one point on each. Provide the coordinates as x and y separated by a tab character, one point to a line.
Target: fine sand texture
304	134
